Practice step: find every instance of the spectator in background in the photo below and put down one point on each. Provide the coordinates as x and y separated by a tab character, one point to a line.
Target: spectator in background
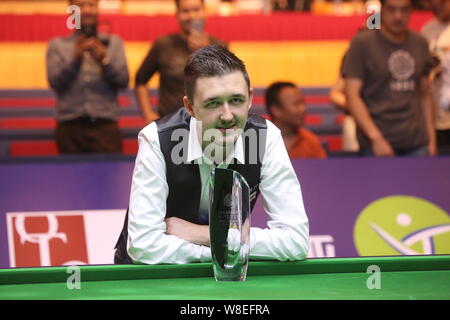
168	56
387	86
437	32
286	106
86	70
338	98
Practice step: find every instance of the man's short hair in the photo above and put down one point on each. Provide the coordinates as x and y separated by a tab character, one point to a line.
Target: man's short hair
177	3
211	61
273	94
70	1
382	2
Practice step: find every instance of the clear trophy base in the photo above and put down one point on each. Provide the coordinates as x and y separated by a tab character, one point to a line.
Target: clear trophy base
237	273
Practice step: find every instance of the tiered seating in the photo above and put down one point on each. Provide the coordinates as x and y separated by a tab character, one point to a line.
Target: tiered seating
27	124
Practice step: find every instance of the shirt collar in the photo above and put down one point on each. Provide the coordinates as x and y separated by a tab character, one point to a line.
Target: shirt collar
195	149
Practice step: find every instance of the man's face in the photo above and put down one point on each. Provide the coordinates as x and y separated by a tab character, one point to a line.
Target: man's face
221	103
189	11
395	15
292	107
89	11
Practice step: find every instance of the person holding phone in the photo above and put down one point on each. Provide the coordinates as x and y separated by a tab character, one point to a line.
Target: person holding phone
86	70
168	56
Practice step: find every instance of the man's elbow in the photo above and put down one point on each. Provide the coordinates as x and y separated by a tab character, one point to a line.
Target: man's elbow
139	86
143	255
299	243
143	248
301	251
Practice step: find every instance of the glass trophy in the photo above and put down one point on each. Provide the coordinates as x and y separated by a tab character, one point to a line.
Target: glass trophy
229	224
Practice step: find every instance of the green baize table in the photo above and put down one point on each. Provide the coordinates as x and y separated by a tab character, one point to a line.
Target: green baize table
401	277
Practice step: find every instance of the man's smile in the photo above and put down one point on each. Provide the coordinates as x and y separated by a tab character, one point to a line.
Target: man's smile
224	130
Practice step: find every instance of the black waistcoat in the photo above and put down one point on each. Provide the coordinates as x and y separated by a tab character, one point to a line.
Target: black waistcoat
183	178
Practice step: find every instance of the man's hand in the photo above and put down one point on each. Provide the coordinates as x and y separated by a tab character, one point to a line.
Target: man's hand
80	46
432	149
382	148
188	231
96	48
143	99
197	40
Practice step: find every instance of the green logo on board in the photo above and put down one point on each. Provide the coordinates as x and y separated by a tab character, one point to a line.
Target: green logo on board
402	225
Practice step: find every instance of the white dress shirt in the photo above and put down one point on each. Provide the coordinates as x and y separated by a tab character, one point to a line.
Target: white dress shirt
287	235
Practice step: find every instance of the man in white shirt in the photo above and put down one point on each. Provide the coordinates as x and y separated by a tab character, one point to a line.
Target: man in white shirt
167	221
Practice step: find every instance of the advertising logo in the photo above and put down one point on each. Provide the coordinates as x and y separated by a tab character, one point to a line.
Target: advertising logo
46	239
321	246
402	225
55	238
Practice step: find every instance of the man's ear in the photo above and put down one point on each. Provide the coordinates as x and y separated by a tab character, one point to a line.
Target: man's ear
188	106
274	110
250	98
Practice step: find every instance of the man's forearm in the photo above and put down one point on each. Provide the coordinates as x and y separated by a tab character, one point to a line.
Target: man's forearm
358	109
191	232
115	69
143	99
117	76
337	94
201	237
338	98
429	108
60	76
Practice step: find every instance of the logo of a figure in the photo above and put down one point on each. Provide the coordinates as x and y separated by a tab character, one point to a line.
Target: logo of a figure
402	225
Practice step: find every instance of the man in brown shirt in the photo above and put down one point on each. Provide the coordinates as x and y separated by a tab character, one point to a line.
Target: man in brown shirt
387	87
168	56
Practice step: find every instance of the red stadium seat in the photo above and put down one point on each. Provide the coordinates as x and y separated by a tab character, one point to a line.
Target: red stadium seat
310	119
334	142
130	147
45	102
340	119
48	148
28	123
32	148
50	123
131	122
313	119
310	99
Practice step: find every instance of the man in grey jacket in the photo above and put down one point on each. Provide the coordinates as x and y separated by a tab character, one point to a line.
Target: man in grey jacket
86	71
